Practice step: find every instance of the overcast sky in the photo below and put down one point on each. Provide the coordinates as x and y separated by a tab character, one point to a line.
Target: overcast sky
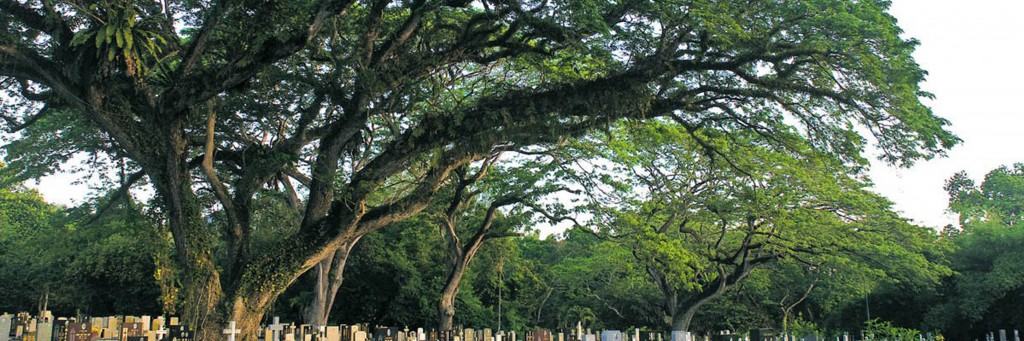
972	52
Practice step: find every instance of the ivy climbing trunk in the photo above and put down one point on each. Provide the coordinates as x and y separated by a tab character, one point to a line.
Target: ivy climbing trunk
201	291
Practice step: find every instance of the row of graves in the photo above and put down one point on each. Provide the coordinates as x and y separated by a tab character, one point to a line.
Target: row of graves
24	327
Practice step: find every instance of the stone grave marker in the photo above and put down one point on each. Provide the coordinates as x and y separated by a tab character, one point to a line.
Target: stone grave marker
5	326
80	331
612	335
60	329
762	334
133	329
111	327
231	331
275	329
359	335
589	337
489	335
541	335
181	333
1002	335
289	332
678	335
44	330
30	330
468	334
332	333
305	333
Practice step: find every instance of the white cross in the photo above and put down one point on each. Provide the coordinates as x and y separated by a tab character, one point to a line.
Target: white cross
276	329
231	331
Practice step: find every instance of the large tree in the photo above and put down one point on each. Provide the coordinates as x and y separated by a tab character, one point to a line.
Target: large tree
701	211
372	104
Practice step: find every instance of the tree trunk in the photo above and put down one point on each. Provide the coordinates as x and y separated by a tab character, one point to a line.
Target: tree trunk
446	305
201	291
330	273
681	320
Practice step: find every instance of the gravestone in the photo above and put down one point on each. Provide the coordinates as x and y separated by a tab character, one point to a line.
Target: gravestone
359	335
589	337
468	334
1002	335
647	336
332	333
133	329
541	335
611	335
80	331
1016	335
726	336
5	327
679	335
420	336
275	329
180	333
44	331
231	331
60	329
762	334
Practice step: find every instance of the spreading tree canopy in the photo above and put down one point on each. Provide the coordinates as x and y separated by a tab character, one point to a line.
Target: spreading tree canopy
370	106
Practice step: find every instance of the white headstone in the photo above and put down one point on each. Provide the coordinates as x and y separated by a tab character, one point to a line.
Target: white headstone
231	331
5	326
359	335
612	335
276	329
44	331
420	336
678	335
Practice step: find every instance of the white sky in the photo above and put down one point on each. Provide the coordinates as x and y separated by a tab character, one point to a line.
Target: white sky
972	52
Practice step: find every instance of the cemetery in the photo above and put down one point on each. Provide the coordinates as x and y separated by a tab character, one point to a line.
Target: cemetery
25	327
511	170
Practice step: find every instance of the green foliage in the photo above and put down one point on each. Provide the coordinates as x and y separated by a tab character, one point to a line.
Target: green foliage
884	330
52	256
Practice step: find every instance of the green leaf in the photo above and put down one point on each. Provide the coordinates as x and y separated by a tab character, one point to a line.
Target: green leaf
128	39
